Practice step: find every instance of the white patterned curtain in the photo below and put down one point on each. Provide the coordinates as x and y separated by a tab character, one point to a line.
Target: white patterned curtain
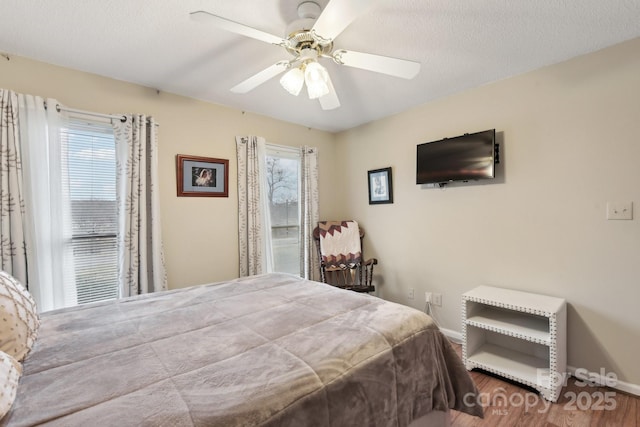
141	266
308	212
254	228
13	256
48	232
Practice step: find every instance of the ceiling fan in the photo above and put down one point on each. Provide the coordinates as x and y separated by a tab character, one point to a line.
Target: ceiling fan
309	39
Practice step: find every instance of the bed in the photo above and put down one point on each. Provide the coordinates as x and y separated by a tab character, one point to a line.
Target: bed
267	350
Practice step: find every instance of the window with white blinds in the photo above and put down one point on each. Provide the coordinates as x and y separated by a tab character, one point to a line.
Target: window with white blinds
91	163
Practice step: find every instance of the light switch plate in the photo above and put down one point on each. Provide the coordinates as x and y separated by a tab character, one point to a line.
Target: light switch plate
619	210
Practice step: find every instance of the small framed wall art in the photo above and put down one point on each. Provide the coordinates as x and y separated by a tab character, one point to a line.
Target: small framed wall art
380	186
202	176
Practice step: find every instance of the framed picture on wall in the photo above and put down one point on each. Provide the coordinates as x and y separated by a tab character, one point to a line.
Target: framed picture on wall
380	186
202	176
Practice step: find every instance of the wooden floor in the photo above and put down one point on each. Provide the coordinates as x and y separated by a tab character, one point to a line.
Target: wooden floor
508	404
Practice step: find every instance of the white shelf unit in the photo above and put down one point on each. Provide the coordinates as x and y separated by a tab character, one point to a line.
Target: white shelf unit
517	335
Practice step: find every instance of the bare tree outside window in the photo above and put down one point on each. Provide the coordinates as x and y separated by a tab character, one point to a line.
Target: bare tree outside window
282	180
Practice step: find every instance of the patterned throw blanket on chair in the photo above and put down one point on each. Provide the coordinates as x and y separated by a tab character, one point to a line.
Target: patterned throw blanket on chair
340	243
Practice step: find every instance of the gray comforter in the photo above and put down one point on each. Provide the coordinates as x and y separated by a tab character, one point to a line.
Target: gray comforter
270	350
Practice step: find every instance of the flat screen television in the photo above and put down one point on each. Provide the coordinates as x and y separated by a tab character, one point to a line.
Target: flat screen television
467	157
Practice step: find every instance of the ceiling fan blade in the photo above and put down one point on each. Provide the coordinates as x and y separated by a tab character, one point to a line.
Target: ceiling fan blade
380	64
257	79
234	27
337	15
329	101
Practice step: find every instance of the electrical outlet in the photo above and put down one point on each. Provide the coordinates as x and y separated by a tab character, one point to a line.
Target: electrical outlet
410	294
437	300
427	297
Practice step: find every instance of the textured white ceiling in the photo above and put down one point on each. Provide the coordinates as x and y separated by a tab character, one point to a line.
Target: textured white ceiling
460	44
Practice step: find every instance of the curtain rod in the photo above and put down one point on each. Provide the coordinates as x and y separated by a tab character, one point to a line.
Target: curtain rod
122	118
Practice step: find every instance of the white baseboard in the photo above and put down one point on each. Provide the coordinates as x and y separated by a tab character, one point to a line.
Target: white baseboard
454	336
598	378
624	386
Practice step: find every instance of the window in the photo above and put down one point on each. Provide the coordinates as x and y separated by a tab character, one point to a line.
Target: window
283	170
91	164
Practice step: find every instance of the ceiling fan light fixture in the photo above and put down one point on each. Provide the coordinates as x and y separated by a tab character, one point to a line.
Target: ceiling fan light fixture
316	78
292	81
308	39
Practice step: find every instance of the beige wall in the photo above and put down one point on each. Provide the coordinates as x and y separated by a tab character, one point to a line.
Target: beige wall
570	137
199	233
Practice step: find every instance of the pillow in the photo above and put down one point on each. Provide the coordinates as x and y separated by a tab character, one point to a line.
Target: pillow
10	371
18	318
